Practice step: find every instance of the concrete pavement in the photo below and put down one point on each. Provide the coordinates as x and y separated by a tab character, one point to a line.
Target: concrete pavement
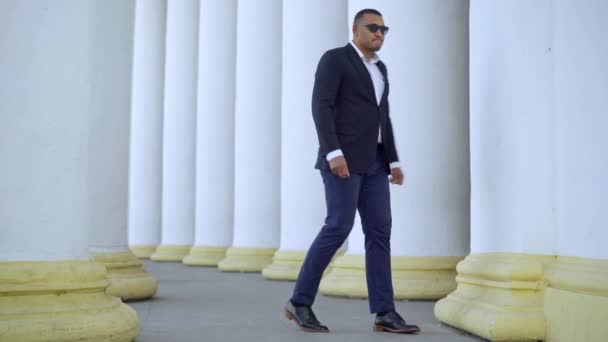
204	304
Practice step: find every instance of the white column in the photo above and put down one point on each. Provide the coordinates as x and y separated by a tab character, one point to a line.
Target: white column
512	131
51	96
145	176
581	83
257	137
512	174
307	34
215	132
179	126
108	171
576	297
426	55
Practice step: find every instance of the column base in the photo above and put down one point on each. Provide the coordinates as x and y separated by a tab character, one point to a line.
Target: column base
61	301
143	251
413	277
499	297
128	280
239	259
286	265
576	300
205	256
175	253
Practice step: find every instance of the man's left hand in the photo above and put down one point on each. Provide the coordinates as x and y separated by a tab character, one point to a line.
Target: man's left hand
396	176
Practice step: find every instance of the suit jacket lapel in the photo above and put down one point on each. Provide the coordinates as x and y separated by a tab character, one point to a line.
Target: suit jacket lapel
368	84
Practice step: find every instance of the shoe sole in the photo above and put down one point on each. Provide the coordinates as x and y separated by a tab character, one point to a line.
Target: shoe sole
409	331
291	317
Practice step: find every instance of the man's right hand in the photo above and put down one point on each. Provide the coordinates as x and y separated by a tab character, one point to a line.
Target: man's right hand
339	167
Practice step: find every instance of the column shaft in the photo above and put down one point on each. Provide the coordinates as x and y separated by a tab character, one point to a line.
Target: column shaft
215	132
179	125
145	168
307	34
576	297
257	137
108	170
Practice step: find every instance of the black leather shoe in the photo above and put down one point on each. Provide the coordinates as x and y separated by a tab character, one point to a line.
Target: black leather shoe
304	318
392	322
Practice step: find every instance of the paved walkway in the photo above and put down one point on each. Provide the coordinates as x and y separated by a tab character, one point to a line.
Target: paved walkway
204	304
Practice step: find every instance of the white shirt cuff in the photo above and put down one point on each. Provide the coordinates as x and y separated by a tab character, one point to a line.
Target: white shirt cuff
333	154
395	165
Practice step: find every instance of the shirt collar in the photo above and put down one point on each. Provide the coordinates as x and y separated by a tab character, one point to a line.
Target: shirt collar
375	58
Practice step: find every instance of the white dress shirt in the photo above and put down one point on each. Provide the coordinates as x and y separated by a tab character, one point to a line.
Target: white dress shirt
378	81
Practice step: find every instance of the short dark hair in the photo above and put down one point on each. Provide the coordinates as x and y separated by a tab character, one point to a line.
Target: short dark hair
363	12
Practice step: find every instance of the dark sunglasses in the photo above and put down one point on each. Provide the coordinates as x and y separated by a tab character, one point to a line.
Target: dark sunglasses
375	27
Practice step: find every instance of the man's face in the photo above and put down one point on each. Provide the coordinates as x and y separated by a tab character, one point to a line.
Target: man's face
364	37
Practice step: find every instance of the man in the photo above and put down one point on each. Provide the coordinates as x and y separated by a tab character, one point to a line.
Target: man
356	154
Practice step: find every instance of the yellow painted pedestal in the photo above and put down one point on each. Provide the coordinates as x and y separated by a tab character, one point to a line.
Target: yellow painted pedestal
246	259
205	256
61	302
128	280
173	253
576	300
413	277
499	297
143	251
286	265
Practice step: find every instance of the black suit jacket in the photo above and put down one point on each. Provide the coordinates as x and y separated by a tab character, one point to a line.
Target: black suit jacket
346	113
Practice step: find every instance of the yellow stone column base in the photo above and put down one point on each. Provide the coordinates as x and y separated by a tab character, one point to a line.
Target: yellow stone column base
128	280
62	301
174	253
205	256
246	259
576	300
286	265
499	297
143	251
413	277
